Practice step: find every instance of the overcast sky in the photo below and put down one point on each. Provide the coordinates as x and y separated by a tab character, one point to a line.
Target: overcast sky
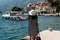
7	4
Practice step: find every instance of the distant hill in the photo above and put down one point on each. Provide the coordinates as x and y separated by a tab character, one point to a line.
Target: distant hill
6	5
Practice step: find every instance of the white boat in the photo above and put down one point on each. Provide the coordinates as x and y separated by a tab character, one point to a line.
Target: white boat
11	15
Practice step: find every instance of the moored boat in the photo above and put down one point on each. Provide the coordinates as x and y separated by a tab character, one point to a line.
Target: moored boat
10	15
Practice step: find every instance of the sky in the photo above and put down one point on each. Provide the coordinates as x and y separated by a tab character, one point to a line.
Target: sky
8	4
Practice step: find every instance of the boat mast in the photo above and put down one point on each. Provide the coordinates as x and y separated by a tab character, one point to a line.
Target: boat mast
16	3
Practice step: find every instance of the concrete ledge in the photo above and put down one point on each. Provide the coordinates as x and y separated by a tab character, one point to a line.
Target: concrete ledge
48	35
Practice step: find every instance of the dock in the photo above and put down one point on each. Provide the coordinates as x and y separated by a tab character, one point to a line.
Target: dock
48	35
43	14
50	14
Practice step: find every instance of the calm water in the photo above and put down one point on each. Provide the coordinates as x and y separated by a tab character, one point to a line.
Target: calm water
15	30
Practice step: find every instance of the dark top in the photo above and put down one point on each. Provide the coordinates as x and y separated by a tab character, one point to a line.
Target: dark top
33	26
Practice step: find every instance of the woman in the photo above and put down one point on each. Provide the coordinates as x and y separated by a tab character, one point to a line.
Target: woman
33	25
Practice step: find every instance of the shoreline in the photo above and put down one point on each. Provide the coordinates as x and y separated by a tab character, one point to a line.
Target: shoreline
45	14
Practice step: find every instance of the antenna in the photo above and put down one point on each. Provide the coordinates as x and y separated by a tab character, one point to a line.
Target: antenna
16	3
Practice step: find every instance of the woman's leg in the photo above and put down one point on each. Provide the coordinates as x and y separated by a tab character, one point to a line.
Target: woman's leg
31	37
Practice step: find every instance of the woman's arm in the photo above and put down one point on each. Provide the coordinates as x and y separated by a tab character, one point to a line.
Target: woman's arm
23	18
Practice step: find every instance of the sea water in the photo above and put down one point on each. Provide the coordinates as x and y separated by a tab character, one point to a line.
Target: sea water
15	30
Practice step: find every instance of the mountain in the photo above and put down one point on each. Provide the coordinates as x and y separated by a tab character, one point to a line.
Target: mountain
6	5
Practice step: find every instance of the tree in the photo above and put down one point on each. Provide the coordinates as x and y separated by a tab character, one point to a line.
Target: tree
17	9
